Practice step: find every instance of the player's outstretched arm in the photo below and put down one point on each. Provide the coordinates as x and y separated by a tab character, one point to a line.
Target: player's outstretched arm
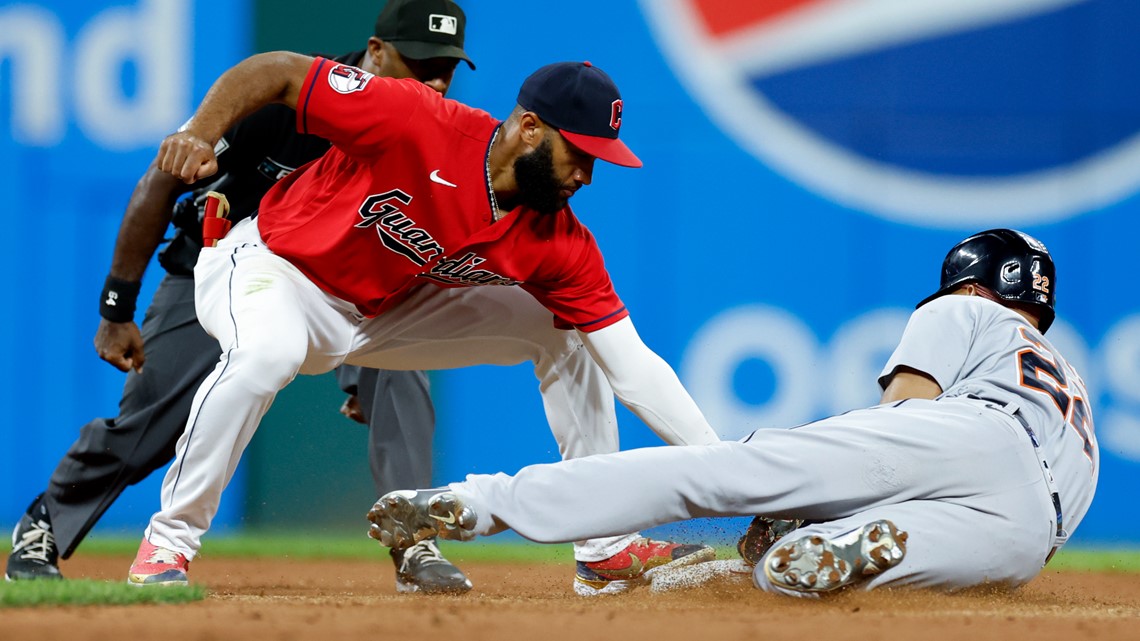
647	385
118	341
259	80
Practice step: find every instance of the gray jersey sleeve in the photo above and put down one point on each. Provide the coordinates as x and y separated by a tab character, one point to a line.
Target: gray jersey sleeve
936	342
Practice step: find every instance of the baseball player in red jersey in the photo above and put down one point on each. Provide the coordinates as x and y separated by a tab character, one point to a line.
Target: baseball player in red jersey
420	39
430	236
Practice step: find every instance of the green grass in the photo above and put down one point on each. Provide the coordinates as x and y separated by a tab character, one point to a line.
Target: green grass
336	546
1079	559
88	592
357	546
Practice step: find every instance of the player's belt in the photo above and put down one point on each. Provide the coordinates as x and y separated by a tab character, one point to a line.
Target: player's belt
1012	410
1062	535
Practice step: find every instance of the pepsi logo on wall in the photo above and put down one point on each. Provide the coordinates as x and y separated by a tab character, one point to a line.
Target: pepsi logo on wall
938	113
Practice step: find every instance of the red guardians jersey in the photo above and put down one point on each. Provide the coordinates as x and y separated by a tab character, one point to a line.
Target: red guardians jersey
402	199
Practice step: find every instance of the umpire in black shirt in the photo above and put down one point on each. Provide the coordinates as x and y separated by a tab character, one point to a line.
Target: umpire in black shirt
420	39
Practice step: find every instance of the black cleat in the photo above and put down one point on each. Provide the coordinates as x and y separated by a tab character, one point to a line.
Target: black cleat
422	568
761	535
34	554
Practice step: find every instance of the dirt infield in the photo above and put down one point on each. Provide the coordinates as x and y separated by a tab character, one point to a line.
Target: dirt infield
273	600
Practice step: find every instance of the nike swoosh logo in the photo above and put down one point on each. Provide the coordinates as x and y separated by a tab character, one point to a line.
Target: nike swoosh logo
436	179
635	569
450	518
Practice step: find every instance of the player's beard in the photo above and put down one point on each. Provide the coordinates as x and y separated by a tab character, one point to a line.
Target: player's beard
534	174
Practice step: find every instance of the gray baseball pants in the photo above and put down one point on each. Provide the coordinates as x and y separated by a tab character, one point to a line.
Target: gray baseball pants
962	478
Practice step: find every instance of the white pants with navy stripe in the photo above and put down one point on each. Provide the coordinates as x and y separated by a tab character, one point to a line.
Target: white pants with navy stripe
273	323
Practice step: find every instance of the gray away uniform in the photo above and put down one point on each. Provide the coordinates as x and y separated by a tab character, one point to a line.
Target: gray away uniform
988	479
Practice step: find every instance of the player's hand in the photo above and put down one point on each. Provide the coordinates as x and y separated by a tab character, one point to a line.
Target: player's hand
120	344
351	409
186	157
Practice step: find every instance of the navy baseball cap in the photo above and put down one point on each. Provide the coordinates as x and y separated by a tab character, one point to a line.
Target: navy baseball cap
584	104
422	29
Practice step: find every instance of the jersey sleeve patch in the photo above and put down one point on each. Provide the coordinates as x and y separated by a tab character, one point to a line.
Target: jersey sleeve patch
358	113
348	79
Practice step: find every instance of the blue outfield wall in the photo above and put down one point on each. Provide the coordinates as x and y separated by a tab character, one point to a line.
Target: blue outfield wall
800	190
87	90
804	176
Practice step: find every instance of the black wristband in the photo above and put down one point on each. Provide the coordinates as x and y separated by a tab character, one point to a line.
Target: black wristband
117	303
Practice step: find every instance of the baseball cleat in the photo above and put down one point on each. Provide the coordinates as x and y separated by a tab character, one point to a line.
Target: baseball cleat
816	564
34	554
761	535
422	568
158	566
635	565
403	518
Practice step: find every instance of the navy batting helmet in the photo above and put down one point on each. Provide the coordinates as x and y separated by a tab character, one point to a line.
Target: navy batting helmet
1014	265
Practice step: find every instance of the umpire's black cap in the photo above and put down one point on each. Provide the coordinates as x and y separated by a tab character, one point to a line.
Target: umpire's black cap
421	29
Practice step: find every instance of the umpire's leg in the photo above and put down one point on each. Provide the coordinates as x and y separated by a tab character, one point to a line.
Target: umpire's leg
401	424
111	454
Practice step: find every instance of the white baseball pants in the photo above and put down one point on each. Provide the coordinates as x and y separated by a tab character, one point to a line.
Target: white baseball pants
273	323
